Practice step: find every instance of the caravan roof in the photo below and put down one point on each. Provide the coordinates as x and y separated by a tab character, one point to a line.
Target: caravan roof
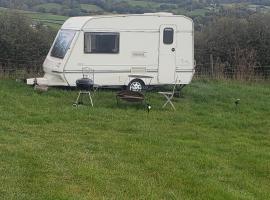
78	23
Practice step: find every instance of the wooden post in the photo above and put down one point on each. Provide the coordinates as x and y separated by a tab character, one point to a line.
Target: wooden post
212	65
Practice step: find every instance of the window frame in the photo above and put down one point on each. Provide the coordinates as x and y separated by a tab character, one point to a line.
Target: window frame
116	34
67	47
171	41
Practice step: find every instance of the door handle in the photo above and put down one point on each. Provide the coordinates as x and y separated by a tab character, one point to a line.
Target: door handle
173	49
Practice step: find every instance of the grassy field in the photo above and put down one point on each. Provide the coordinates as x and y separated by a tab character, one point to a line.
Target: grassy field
55	21
48	6
145	4
91	7
207	149
51	20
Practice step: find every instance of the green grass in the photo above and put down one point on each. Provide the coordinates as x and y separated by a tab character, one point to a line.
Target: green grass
54	21
198	12
51	20
49	6
264	9
2	9
145	4
91	7
207	149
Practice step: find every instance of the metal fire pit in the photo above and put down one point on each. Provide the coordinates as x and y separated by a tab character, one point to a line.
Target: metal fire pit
130	96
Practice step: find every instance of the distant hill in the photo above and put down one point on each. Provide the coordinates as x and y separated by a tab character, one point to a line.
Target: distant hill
92	7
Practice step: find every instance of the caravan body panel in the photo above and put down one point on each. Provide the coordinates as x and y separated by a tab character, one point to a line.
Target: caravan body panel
133	45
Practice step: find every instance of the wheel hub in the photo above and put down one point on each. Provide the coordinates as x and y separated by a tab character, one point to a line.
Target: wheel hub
135	86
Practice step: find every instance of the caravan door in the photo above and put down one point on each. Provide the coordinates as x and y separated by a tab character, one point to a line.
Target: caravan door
167	54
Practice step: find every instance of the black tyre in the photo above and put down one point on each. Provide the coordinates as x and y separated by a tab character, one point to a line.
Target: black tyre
136	85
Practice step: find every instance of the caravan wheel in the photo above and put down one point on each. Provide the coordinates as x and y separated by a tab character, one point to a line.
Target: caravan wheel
136	85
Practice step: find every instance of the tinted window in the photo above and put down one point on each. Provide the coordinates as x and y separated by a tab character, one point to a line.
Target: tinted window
168	36
62	43
101	42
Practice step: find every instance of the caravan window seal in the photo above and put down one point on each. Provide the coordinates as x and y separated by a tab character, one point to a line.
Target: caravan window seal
168	35
101	42
62	43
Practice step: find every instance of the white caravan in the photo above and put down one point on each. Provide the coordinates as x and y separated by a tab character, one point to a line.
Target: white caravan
121	50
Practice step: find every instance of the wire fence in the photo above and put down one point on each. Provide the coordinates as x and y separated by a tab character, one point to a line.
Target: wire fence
19	69
241	66
22	69
221	71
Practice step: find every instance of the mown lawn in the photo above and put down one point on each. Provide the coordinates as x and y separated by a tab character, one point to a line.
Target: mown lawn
207	149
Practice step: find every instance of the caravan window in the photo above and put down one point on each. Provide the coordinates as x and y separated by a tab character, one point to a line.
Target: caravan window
62	43
168	35
100	42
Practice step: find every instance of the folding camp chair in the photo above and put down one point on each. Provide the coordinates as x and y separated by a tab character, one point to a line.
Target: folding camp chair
169	95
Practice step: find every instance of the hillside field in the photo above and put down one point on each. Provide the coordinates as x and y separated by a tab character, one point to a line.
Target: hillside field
54	21
208	149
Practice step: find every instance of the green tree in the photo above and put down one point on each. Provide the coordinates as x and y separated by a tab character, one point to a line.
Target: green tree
22	40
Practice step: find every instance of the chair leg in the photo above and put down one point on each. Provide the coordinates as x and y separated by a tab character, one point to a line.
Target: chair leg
165	104
168	101
172	105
